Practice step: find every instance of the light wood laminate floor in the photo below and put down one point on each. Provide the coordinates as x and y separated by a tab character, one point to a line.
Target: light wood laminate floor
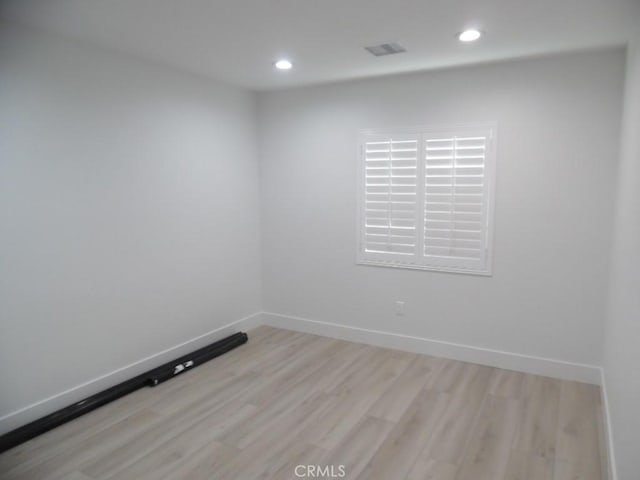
286	399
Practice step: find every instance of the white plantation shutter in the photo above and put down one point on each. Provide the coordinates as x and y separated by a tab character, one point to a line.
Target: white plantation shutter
391	208
426	199
456	197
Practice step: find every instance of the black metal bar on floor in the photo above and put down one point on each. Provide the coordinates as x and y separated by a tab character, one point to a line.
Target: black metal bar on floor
151	378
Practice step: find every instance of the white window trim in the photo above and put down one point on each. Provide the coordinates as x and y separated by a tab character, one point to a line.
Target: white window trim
490	178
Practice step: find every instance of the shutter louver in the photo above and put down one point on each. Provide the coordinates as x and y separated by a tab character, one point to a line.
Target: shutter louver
391	196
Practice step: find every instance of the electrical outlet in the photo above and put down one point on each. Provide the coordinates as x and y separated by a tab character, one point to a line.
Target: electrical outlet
399	308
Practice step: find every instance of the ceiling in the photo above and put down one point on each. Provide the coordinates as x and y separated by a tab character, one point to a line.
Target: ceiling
238	40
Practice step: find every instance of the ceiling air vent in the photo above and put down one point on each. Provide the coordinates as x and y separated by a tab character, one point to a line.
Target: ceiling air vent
385	49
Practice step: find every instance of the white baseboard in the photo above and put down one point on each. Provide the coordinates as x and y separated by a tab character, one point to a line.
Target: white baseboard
483	356
613	474
60	400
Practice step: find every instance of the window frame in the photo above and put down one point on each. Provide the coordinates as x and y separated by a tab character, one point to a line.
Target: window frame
419	261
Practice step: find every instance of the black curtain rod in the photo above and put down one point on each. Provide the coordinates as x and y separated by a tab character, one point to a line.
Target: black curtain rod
151	378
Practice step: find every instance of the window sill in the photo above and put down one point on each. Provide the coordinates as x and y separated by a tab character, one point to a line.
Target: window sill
434	268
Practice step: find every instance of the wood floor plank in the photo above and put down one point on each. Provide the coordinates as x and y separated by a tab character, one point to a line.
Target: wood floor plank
354	402
526	466
578	450
506	383
359	445
537	432
203	464
462	379
168	427
72	434
78	476
400	450
451	431
367	362
199	465
222	387
489	448
306	455
602	435
297	395
291	373
168	458
95	446
392	405
429	469
269	451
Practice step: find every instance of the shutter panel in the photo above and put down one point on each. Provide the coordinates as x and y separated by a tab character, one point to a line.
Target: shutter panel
456	198
391	208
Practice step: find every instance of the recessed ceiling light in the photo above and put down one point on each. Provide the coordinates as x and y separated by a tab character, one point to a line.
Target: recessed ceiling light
470	35
283	64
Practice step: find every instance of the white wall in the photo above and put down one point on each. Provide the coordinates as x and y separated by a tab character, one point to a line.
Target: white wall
622	333
558	129
128	212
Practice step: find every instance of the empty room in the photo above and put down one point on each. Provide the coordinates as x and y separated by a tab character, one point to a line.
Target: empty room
319	239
